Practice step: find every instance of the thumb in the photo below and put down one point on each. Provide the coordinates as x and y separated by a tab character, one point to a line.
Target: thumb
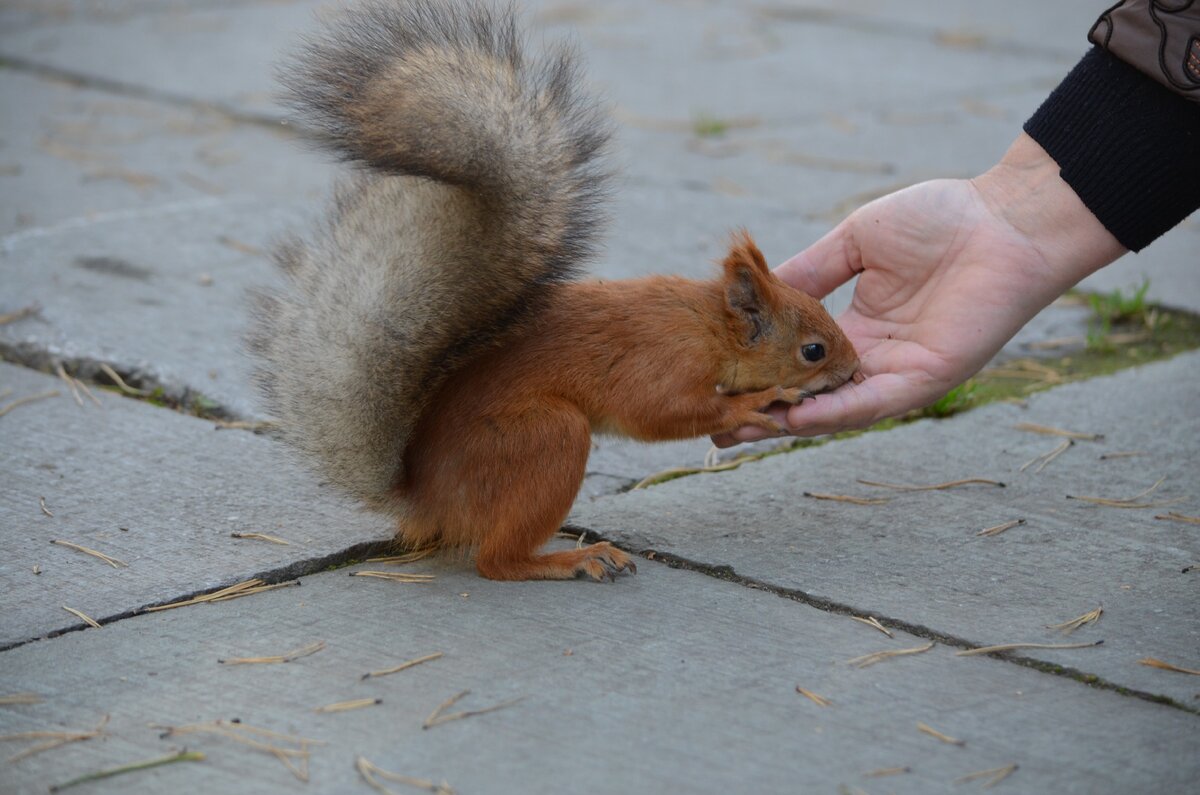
825	265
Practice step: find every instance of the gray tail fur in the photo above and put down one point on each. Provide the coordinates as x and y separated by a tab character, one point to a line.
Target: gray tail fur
481	190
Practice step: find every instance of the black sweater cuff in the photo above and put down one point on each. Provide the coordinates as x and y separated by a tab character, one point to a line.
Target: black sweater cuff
1128	146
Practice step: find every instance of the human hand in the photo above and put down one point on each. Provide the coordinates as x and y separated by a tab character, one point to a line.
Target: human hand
948	271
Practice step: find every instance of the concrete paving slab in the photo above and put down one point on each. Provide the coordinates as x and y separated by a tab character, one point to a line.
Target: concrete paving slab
160	492
170	55
748	68
918	559
725	48
73	152
669	681
674	681
27	15
159	292
1037	29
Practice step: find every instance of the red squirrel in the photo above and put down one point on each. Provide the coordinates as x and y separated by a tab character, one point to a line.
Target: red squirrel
433	351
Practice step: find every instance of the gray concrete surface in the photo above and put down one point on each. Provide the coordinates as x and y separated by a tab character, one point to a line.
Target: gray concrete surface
144	173
156	490
670	681
917	559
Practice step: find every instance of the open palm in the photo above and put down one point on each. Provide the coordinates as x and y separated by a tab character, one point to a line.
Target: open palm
944	280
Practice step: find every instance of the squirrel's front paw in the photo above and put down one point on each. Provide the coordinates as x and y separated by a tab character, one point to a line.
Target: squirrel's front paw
793	395
766	422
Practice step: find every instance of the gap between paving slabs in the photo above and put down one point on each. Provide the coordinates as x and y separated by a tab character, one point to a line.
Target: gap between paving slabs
293	571
137	383
133	90
727	573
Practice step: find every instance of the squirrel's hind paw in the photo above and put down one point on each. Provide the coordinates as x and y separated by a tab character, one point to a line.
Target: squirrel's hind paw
601	562
604	562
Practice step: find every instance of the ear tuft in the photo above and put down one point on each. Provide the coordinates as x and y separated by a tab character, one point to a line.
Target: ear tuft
744	251
749	285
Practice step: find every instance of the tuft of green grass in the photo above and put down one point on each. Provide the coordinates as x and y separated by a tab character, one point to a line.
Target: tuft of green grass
708	126
158	397
203	406
1118	308
961	398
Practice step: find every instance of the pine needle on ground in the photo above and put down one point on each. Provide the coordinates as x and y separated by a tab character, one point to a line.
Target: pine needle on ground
1166	666
847	498
1172	516
7	407
932	732
1000	528
287	657
935	487
403	666
820	701
260	537
244	588
407	557
439	716
1067	627
879	656
1046	458
91	622
872	621
279	745
347	706
1013	646
370	771
394	576
53	739
116	564
1130	502
994	776
1046	430
182	756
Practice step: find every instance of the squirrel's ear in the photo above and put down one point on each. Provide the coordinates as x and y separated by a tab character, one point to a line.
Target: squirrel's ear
748	286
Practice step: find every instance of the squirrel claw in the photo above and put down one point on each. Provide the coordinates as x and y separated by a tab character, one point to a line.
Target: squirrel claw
604	562
794	395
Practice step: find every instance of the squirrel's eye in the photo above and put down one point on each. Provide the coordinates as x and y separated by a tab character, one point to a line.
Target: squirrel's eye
813	353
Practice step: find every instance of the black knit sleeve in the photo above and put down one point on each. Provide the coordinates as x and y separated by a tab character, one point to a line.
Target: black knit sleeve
1128	146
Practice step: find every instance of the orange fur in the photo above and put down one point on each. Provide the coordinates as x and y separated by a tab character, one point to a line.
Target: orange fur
496	460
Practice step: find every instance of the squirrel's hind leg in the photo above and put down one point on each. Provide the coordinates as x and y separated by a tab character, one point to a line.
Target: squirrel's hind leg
599	562
530	496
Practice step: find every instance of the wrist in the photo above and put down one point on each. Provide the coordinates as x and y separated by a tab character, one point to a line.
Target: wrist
1126	144
1026	191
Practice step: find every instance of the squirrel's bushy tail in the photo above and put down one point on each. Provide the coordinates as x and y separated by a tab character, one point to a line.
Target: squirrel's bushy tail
481	189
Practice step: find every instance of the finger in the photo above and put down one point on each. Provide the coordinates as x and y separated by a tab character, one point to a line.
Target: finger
825	265
855	406
746	433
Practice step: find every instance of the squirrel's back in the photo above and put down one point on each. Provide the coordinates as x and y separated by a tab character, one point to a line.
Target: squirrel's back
478	191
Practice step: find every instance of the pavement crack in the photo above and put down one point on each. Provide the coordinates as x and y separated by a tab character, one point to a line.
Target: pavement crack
135	383
291	571
135	91
728	574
